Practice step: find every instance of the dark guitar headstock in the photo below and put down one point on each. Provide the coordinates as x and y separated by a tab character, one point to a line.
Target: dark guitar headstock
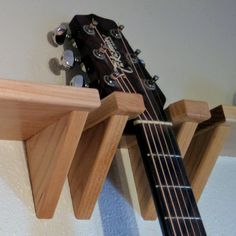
99	56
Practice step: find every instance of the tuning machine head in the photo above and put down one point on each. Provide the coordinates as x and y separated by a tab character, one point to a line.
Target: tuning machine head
151	83
68	59
154	78
120	27
116	33
60	34
137	52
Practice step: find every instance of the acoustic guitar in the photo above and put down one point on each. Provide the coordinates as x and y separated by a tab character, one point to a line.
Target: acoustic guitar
101	57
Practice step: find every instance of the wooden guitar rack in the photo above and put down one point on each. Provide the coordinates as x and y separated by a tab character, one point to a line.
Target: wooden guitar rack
100	139
67	132
50	120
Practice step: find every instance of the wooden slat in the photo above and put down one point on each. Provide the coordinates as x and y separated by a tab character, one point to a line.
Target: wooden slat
202	155
49	155
97	148
92	162
188	110
118	103
26	108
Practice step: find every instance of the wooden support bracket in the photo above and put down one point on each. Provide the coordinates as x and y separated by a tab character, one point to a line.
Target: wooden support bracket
185	115
97	147
213	137
50	119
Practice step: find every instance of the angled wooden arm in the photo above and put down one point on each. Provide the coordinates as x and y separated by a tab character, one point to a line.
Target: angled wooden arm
97	148
50	120
185	115
214	137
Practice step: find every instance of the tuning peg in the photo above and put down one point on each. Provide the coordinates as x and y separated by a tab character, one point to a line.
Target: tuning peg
121	27
94	23
78	81
142	62
60	34
154	79
137	52
68	59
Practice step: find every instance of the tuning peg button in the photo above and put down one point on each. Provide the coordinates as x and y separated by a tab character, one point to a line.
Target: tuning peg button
155	78
77	81
68	59
137	52
59	35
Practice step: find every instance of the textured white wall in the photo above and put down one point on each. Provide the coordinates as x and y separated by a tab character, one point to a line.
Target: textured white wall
190	44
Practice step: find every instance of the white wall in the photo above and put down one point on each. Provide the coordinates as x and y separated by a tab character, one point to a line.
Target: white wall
190	44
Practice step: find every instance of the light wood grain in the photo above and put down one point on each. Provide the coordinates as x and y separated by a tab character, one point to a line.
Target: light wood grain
49	155
118	103
26	108
97	148
184	134
224	114
92	162
202	155
188	110
185	115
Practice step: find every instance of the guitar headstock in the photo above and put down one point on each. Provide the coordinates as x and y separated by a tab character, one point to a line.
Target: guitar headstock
107	58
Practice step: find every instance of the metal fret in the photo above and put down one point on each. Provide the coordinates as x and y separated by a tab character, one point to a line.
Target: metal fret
163	155
174	186
157	122
182	218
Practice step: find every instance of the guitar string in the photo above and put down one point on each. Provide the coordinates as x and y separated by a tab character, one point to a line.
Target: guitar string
184	179
171	160
158	177
161	145
151	153
178	167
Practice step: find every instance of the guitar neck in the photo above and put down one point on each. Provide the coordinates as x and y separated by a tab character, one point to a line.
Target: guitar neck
172	193
112	65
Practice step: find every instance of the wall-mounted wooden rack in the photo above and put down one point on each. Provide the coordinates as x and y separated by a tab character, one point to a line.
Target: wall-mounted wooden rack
68	131
50	120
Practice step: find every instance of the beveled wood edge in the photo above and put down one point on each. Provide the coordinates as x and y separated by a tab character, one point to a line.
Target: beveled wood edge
222	114
117	103
188	110
56	95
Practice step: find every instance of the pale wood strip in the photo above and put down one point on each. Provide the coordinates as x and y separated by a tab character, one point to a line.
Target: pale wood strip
49	155
202	155
91	163
26	108
188	110
184	134
118	103
224	114
55	95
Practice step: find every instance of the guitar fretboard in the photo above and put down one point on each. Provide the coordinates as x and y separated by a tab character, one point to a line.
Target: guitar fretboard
173	196
112	65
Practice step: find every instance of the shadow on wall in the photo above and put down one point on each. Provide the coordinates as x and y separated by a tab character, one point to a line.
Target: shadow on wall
117	215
